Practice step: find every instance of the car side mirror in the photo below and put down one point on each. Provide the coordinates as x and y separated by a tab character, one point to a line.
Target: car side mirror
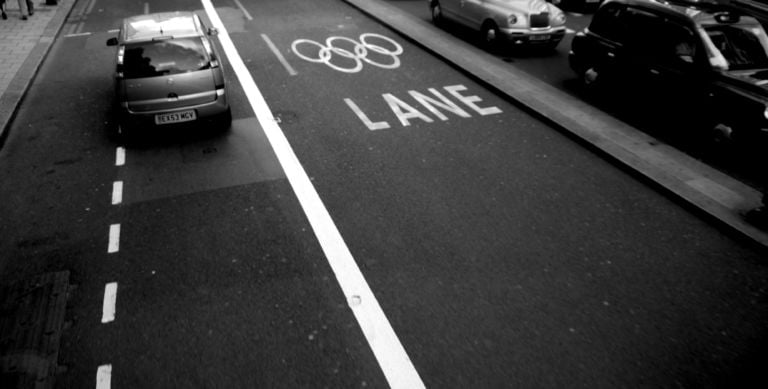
112	42
213	31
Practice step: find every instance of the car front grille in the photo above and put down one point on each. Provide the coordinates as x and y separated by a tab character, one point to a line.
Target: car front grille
540	20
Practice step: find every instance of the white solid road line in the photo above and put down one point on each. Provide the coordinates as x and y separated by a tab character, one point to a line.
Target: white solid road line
120	156
117	192
245	11
114	239
104	377
110	302
389	352
279	55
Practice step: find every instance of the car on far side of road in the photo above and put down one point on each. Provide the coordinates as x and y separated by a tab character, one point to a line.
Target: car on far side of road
518	22
168	73
702	58
577	5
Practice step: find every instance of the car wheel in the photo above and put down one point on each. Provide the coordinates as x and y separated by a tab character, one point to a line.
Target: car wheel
437	13
590	79
490	35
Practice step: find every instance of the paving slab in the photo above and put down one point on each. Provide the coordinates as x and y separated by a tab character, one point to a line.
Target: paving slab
23	46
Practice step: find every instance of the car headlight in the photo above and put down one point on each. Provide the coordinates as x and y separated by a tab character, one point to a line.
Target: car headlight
559	18
512	19
765	113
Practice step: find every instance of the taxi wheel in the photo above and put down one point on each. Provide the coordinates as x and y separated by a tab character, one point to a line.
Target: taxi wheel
437	13
590	79
490	35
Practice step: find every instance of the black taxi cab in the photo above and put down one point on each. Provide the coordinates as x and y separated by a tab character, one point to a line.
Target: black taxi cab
707	54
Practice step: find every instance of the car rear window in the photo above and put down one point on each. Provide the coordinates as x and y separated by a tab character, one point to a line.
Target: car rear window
164	57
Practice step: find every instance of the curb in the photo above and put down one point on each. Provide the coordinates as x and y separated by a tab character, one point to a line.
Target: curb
11	98
694	182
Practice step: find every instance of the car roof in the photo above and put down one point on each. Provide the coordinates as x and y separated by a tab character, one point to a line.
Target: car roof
163	24
701	12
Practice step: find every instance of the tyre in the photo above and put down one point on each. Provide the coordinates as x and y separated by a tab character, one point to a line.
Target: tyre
491	36
437	13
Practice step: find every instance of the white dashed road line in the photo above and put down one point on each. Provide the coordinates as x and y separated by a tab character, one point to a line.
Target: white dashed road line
110	302
120	156
279	55
389	352
104	377
114	239
117	192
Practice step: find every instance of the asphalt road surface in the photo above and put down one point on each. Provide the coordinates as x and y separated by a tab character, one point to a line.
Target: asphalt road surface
501	252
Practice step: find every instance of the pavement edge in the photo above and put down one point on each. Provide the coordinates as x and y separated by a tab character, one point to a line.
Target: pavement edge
11	98
706	189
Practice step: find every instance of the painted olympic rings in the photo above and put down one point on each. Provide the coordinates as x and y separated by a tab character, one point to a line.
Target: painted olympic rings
359	54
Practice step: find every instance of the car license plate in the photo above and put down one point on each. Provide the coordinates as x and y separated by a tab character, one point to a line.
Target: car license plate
175	117
539	37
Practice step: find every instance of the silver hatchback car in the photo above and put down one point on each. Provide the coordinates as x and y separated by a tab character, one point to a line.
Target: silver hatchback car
168	72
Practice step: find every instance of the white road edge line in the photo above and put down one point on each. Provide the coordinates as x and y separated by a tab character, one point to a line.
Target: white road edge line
120	156
389	352
77	34
114	239
117	192
245	11
279	55
104	377
110	302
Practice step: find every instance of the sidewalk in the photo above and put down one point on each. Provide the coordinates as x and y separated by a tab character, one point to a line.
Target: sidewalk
23	46
706	189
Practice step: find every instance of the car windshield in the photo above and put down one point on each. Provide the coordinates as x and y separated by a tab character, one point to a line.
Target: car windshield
164	57
737	46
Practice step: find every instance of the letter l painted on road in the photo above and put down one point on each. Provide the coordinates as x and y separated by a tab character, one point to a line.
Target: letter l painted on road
360	114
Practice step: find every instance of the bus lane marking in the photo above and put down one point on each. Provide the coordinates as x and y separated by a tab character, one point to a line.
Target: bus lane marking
389	352
359	53
279	55
405	112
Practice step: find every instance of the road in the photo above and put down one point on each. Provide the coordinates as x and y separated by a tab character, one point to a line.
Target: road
501	252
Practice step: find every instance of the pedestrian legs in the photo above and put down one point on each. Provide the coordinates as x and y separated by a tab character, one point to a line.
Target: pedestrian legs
23	9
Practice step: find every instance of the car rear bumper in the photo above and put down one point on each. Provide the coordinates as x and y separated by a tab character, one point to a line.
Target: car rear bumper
204	113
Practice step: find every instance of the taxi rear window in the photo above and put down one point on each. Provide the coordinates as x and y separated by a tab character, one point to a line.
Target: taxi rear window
164	57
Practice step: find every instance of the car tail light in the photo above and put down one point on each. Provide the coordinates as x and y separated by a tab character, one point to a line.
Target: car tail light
211	54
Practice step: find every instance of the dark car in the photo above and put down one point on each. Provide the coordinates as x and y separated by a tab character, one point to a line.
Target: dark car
167	72
699	54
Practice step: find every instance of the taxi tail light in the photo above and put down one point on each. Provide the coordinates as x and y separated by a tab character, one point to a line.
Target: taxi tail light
120	55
